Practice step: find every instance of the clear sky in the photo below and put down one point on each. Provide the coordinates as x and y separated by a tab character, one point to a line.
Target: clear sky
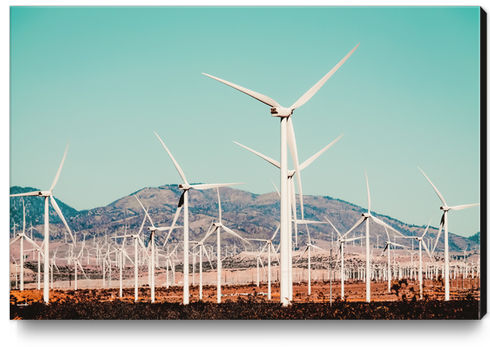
106	78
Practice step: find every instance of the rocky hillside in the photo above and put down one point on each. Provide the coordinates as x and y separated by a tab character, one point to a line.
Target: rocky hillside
250	215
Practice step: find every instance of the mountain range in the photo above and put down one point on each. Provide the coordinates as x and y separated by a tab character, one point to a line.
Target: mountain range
250	215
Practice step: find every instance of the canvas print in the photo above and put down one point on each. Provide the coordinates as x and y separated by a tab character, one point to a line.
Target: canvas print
155	172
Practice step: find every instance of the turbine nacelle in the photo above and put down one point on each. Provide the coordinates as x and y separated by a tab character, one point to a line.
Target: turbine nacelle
445	208
367	214
281	112
185	186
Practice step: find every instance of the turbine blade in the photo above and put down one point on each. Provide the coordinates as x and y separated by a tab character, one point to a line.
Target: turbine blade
26	194
301	101
359	222
309	222
277	229
369	195
294	153
321	249
58	211
355	238
462	207
277	190
266	158
142	224
438	233
181	173
425	246
173	224
398	245
207	255
334	228
306	248
265	99
428	225
213	185
433	186
181	200
234	233
146	212
380	222
17	238
219	205
293	207
312	158
59	169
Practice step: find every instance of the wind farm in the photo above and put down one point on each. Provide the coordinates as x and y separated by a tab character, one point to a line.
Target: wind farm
328	238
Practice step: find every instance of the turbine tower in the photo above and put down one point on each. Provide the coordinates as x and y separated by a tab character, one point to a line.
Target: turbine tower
287	137
184	201
444	223
48	196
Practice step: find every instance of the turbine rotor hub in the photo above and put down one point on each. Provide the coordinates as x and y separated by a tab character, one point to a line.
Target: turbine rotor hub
281	112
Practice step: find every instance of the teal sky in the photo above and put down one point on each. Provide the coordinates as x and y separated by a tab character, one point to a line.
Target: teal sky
106	78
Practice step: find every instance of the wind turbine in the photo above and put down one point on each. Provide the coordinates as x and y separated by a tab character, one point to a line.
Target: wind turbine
184	200
309	245
388	247
48	195
217	226
421	241
268	244
152	230
287	137
444	223
291	173
136	238
365	218
342	240
201	248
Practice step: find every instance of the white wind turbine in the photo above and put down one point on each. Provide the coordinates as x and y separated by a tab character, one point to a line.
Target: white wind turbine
421	241
20	237
291	196
217	226
184	200
137	239
268	244
302	166
122	253
341	241
444	223
388	247
365	218
152	230
309	245
201	248
48	195
286	137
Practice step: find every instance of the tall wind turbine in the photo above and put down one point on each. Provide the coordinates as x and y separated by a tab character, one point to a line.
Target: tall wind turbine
365	218
48	196
287	137
444	223
184	200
